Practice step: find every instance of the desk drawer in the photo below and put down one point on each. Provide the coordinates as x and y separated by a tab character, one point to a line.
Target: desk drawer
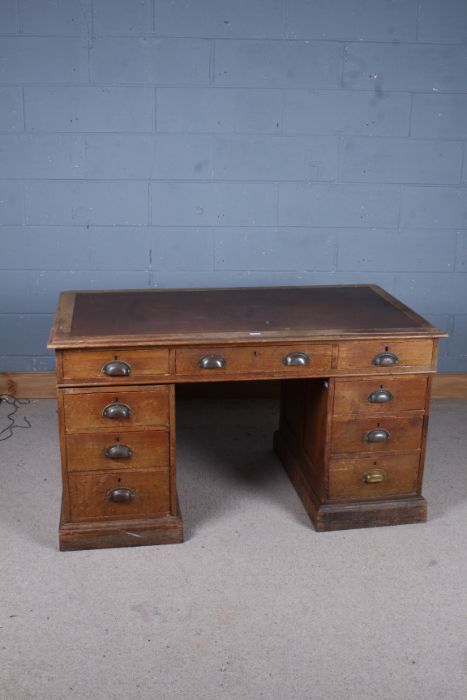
146	449
116	410
388	434
115	366
226	360
366	478
385	356
140	493
377	397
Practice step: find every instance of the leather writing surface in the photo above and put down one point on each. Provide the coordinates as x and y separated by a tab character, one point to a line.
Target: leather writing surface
283	310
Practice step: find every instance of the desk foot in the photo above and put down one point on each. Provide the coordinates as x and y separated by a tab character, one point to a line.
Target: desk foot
344	516
121	533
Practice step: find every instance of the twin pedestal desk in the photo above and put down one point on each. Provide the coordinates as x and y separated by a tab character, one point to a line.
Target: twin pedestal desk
355	367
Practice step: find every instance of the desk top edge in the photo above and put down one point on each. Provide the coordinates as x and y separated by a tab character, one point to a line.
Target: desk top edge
63	336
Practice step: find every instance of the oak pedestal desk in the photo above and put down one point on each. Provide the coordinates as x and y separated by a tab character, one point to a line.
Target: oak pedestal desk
355	367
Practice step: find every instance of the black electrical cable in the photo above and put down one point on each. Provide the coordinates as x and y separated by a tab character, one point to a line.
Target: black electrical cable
16	403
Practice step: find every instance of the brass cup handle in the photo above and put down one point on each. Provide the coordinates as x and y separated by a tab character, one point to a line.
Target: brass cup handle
212	362
380	396
116	368
120	495
116	410
118	451
385	359
378	435
374	476
296	359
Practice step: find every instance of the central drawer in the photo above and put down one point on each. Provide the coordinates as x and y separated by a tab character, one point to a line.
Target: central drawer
105	450
294	359
97	409
141	493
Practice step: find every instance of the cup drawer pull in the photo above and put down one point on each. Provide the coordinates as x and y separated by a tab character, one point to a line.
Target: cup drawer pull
212	362
116	368
118	451
378	435
121	495
296	359
116	410
380	396
374	476
385	359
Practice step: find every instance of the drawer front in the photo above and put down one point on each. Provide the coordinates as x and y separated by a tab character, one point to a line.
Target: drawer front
366	478
387	434
375	397
224	360
147	493
117	450
137	409
115	366
392	355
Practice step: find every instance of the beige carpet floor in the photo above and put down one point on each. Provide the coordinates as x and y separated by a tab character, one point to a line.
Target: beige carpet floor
255	604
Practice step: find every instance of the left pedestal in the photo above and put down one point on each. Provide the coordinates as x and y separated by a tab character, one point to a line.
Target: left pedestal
118	467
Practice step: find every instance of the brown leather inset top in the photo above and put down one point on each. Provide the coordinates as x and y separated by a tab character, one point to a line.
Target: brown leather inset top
279	313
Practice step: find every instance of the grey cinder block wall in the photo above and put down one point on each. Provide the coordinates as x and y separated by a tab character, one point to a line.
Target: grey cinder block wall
211	142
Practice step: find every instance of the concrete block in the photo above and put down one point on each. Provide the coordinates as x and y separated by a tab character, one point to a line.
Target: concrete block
77	203
433	207
75	248
118	156
397	251
433	293
338	205
212	204
192	279
16	363
15	294
262	19
461	257
8	17
276	158
439	116
181	249
11	109
44	363
442	22
358	20
218	110
274	249
41	156
278	64
47	285
381	67
452	364
150	61
123	17
93	109
11	203
457	342
27	59
346	111
246	157
64	17
401	160
23	335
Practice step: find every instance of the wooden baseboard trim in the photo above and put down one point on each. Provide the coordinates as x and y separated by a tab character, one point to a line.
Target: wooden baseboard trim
41	385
